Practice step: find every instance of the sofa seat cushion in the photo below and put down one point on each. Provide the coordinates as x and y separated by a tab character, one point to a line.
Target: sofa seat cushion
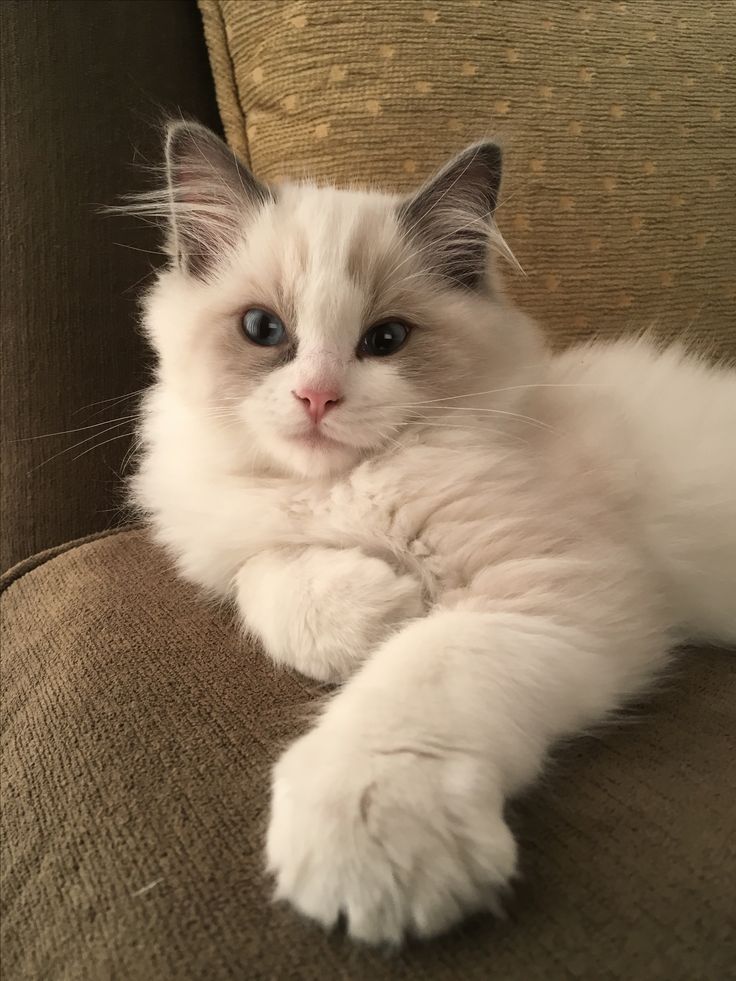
138	733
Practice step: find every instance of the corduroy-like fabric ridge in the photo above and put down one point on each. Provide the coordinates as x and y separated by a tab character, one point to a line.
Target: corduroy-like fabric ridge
617	119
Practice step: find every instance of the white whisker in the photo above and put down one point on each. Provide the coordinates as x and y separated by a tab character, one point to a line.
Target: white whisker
75	446
490	391
114	398
79	429
97	446
497	412
429	424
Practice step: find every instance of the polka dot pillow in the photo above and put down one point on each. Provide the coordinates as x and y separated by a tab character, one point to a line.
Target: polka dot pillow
617	121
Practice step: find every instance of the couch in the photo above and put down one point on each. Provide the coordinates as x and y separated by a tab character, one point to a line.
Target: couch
139	726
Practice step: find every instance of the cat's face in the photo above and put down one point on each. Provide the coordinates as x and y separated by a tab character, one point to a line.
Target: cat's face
313	325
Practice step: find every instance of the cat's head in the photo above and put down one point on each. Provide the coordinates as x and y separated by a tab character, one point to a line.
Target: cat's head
310	325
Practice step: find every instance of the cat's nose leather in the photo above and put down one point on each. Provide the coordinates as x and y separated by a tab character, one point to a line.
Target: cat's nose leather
317	401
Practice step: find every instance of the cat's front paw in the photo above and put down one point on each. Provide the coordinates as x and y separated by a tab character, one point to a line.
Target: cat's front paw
396	840
323	610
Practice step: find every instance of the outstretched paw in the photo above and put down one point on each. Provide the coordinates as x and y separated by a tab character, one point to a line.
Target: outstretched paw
398	840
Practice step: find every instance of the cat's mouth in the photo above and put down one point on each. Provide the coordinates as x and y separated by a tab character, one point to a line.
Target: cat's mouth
316	439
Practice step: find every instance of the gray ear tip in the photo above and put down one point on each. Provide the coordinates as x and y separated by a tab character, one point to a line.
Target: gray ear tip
487	146
181	134
176	131
174	128
488	152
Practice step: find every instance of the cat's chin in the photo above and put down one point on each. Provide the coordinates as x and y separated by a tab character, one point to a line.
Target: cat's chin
313	455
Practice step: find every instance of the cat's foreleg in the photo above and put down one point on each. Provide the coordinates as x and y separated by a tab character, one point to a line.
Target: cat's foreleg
390	811
323	610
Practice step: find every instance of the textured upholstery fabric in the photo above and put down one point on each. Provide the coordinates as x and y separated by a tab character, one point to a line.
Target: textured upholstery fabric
138	735
618	120
83	87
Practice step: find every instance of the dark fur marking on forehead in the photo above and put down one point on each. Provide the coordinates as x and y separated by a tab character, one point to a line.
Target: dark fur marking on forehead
371	251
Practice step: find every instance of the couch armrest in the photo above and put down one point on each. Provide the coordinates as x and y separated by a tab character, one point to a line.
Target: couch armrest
84	84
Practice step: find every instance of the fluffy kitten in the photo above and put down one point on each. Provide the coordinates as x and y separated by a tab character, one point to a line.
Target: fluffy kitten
356	436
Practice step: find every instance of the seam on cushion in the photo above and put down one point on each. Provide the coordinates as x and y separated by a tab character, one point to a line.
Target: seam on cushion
223	72
26	566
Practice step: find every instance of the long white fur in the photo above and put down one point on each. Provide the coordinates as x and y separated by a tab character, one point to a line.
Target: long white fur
488	563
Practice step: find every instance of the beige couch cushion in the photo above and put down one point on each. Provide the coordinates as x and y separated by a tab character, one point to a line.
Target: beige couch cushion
618	119
138	735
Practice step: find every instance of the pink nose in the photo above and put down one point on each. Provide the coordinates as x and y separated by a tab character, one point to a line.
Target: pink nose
317	401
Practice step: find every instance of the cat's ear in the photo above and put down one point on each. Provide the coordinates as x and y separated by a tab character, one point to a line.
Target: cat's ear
452	214
210	193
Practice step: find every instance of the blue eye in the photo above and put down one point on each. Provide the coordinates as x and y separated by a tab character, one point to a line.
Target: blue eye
383	339
263	328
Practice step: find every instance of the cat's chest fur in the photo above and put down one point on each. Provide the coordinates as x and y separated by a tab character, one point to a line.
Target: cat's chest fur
435	510
443	511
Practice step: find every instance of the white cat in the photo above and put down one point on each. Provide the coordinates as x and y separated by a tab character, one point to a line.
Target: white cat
356	436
